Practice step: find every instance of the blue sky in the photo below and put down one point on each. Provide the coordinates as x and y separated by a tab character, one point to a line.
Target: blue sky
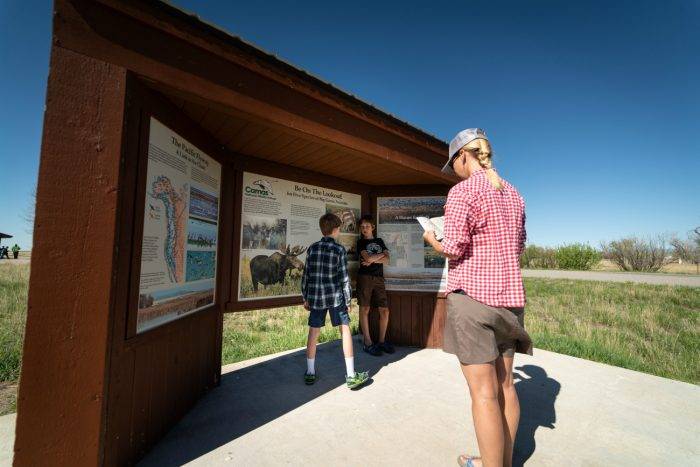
593	108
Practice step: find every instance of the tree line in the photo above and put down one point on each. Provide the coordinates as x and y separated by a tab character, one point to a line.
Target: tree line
629	254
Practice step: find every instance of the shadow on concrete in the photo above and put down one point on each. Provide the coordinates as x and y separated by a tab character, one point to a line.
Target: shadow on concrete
253	396
537	393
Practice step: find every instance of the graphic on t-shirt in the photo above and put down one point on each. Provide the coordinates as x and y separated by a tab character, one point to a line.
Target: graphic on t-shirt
372	246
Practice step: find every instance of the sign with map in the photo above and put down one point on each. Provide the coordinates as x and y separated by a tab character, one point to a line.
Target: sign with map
180	229
279	222
413	265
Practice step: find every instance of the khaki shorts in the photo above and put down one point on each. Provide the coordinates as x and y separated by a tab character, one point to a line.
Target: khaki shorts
478	333
371	291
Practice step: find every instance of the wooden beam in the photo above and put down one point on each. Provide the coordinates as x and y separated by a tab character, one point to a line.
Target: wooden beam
176	22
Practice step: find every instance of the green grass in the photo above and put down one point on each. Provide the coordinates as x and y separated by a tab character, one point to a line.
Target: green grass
14	283
650	328
254	333
291	285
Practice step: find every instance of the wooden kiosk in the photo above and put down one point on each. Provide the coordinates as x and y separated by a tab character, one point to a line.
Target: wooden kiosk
106	372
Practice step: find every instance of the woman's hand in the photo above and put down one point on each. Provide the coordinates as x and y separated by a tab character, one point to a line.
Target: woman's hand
429	236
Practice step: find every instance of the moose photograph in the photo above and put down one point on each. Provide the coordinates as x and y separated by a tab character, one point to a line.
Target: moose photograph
260	233
274	275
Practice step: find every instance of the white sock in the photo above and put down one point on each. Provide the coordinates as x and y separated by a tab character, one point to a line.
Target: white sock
310	366
350	366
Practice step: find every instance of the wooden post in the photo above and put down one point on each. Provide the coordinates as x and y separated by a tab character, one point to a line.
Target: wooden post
63	386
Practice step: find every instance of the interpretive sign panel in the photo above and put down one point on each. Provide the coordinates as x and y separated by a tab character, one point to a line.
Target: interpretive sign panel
180	229
279	222
413	265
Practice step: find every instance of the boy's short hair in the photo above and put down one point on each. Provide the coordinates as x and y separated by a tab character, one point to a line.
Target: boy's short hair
367	218
328	222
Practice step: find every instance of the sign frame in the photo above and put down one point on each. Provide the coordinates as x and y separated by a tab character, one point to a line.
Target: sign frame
184	129
292	174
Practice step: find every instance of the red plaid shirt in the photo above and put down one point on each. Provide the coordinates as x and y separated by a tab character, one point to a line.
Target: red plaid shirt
485	230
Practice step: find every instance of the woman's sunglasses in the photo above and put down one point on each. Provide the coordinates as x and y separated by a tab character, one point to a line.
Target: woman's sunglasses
473	151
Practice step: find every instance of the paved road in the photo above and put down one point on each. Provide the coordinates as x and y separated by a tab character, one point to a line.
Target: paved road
659	279
416	413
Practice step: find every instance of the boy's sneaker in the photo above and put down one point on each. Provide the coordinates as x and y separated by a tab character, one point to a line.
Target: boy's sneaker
372	349
360	378
387	347
309	378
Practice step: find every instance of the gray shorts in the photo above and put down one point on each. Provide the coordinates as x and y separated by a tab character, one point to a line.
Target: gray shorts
478	333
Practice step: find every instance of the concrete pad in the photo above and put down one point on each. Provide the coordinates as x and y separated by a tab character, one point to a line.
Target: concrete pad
7	439
416	412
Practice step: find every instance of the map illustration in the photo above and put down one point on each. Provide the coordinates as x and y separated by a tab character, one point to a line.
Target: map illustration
175	203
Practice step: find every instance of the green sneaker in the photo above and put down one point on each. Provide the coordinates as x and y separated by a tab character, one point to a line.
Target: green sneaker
309	379
360	378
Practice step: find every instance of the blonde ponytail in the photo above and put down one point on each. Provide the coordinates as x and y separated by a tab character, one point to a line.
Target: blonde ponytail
485	161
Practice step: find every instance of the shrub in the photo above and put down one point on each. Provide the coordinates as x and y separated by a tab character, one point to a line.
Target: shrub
689	250
537	257
577	256
635	254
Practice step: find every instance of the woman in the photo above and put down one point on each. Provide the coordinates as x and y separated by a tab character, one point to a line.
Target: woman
484	236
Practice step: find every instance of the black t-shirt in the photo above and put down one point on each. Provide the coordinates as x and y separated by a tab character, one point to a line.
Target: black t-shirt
372	246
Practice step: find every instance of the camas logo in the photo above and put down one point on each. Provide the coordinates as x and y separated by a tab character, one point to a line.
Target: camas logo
260	188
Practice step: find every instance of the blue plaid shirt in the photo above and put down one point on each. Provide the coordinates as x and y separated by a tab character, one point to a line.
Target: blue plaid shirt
325	282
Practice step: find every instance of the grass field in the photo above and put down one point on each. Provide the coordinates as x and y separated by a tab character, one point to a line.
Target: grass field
251	334
14	283
648	328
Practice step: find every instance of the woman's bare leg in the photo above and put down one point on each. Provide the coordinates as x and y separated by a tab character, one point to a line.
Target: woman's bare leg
364	324
486	412
510	406
383	323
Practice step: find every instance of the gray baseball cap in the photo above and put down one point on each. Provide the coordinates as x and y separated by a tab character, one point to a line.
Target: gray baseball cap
458	142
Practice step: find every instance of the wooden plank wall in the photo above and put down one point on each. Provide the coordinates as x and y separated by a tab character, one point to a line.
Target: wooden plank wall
416	319
156	381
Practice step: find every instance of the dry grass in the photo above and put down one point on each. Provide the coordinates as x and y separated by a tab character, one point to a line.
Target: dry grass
14	284
650	328
673	268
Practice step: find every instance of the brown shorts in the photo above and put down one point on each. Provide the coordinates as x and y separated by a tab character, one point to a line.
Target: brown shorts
371	291
478	333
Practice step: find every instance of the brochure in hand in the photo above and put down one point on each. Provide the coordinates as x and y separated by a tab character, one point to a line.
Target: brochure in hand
436	224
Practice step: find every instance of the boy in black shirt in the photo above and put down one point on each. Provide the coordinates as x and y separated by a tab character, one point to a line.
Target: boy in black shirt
370	286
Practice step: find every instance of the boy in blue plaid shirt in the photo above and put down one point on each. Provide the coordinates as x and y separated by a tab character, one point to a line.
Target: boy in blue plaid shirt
325	287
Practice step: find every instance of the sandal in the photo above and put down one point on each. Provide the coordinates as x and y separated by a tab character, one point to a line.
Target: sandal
464	460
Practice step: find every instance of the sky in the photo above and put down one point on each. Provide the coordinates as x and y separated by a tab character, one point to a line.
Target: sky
592	108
